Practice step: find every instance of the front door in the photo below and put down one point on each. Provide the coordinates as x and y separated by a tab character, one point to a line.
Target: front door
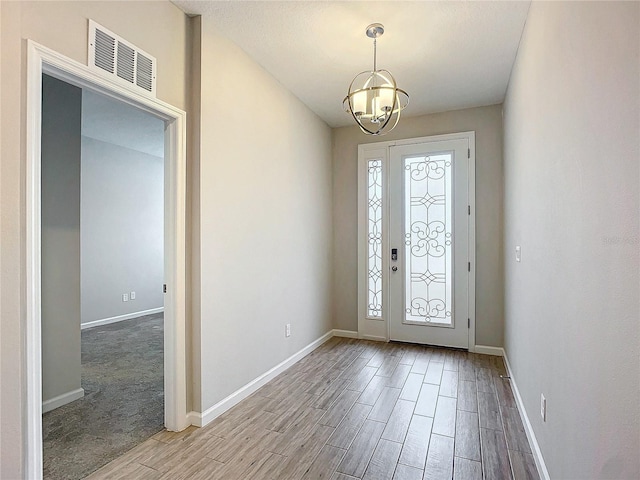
429	241
416	240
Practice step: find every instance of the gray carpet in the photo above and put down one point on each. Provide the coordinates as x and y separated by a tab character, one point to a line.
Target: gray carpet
122	376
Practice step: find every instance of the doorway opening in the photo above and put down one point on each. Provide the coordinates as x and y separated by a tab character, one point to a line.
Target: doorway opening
416	240
102	273
42	60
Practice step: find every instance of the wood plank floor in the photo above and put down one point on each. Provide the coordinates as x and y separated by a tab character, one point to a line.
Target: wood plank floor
355	409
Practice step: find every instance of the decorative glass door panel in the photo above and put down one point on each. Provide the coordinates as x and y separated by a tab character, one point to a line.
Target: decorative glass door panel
429	232
428	245
374	238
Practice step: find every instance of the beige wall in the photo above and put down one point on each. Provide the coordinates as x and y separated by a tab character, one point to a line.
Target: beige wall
487	123
61	26
265	221
193	215
572	136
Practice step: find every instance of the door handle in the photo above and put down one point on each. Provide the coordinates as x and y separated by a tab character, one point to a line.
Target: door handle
394	269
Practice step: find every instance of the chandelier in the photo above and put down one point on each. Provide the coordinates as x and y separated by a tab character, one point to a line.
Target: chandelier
374	100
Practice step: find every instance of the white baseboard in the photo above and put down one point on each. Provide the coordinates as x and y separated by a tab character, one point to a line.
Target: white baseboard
201	419
531	436
486	350
120	318
63	399
194	418
345	333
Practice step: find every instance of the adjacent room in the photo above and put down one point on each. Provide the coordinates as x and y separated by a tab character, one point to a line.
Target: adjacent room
102	277
357	240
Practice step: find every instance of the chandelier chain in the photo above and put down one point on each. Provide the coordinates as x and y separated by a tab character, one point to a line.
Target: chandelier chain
375	44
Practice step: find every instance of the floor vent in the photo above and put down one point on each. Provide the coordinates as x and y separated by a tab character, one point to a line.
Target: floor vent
114	55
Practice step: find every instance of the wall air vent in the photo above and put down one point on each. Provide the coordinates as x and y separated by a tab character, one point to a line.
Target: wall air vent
121	59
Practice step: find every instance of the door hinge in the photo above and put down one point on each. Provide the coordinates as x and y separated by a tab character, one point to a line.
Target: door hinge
469	266
164	288
468	323
468	153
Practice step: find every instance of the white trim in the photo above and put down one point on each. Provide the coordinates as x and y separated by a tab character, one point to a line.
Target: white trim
120	318
43	60
487	350
63	399
528	428
345	333
201	419
33	349
471	193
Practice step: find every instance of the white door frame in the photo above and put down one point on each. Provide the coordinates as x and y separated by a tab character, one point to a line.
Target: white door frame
378	329
43	60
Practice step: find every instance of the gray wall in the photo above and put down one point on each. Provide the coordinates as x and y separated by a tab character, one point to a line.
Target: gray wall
61	117
571	201
265	222
487	123
122	218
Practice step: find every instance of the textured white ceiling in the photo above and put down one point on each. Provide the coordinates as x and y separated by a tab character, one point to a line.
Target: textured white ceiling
115	122
447	55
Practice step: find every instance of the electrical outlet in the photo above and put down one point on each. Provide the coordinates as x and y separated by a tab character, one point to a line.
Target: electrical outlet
125	297
518	254
132	296
543	408
287	330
